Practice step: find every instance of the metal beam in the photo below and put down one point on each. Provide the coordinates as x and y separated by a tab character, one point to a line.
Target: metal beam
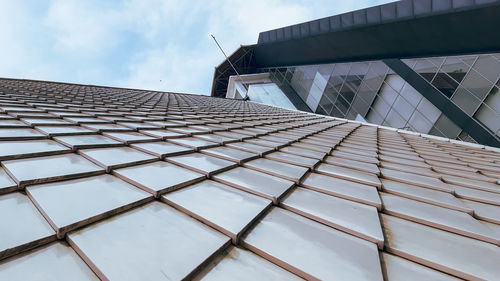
470	125
403	29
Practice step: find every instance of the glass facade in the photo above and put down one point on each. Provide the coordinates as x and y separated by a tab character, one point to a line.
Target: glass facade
269	93
375	92
471	82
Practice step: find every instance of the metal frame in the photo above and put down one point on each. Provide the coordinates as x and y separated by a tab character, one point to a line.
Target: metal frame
468	124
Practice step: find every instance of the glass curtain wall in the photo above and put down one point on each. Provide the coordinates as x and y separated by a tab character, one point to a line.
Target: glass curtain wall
375	92
471	82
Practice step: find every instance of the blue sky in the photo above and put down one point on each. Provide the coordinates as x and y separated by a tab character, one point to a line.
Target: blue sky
147	44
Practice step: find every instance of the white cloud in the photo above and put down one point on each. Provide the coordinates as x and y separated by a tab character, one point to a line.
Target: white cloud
154	44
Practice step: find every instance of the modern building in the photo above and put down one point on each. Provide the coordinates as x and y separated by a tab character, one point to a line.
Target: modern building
429	66
123	184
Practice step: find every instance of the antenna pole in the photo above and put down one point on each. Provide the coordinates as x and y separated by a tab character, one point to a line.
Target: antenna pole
237	74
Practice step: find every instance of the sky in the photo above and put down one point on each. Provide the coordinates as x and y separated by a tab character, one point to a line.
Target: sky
144	44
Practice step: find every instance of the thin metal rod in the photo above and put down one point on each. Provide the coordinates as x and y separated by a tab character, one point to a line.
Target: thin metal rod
237	74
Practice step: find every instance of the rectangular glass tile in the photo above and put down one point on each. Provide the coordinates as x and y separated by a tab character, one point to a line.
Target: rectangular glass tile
130	137
318	252
158	177
255	182
24	149
282	170
418	180
46	121
426	195
162	149
68	205
64	130
7	184
171	244
20	134
349	174
56	261
250	147
243	265
398	268
202	163
226	209
87	141
163	134
484	211
194	143
107	128
349	190
16	236
293	159
13	124
50	168
304	152
117	157
476	184
217	138
353	164
477	195
235	155
354	218
438	217
442	250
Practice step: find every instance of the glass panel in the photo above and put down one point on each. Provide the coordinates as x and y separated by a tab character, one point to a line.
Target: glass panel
455	68
388	93
493	99
395	81
359	69
342	105
489	118
321	110
428	110
330	93
115	157
325	70
57	261
404	108
359	106
21	149
445	84
186	244
71	204
488	66
255	182
354	218
427	67
374	117
202	163
338	75
326	104
466	101
322	261
337	113
375	76
476	84
240	264
465	137
50	168
411	95
447	127
420	123
227	209
395	120
381	107
22	224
